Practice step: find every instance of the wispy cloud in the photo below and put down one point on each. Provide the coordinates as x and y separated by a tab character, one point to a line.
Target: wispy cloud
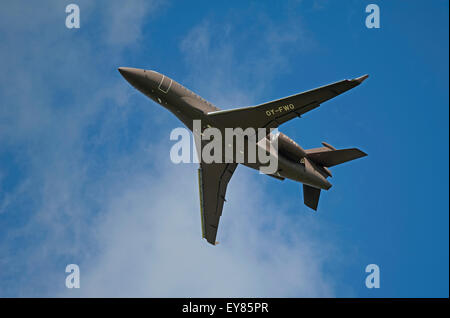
124	22
149	244
232	75
93	190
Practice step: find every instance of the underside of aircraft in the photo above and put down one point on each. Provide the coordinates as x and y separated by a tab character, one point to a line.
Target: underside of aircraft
310	166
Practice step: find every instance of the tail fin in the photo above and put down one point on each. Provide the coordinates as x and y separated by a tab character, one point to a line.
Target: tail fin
328	156
311	196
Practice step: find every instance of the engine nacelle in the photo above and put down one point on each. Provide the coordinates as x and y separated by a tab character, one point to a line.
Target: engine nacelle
287	147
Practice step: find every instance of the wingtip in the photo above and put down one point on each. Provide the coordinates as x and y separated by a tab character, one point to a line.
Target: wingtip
361	78
363	153
214	243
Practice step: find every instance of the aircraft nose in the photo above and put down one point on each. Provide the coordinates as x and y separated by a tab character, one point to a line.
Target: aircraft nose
134	76
129	73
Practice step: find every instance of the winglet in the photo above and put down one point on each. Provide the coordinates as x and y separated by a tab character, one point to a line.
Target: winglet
361	78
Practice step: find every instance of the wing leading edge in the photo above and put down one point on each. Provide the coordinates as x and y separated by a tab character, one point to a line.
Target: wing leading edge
274	113
213	180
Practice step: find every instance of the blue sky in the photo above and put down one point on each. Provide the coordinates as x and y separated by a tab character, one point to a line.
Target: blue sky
86	178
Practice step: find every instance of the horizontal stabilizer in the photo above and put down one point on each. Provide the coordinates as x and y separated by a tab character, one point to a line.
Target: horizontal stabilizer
329	158
311	196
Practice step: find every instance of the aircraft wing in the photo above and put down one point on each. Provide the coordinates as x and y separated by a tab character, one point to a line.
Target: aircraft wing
213	179
274	113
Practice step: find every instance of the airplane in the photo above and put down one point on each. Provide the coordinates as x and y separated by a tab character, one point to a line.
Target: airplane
307	166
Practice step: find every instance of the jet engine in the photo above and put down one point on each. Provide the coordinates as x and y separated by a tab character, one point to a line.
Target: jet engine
287	147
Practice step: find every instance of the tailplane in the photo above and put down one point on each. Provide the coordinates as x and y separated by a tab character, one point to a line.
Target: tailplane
329	156
325	157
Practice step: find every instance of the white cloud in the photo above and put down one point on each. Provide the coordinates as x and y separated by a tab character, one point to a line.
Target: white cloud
236	60
149	237
124	21
129	217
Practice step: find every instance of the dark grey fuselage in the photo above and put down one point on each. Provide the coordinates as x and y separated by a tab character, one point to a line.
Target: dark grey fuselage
188	106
